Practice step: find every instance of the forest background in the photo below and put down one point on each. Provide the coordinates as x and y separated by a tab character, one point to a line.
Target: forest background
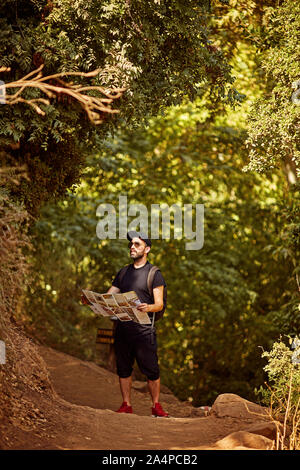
209	116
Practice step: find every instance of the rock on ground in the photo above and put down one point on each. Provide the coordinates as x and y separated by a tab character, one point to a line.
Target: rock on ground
229	404
244	440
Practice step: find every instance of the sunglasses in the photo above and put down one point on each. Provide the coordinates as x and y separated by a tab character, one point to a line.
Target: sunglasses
135	244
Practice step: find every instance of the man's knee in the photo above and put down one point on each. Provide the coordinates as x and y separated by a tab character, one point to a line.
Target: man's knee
124	376
124	373
153	377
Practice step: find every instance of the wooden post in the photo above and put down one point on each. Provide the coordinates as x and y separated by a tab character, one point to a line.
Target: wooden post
105	336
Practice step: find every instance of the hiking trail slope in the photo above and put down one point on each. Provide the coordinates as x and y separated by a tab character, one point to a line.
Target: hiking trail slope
81	415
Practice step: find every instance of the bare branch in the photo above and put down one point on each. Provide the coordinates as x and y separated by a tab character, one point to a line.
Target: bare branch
94	106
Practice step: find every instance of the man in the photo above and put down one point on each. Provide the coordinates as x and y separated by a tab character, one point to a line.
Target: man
133	340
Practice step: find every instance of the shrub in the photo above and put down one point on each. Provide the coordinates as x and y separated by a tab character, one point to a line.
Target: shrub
282	394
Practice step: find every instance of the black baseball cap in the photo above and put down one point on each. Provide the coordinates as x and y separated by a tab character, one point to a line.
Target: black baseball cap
132	234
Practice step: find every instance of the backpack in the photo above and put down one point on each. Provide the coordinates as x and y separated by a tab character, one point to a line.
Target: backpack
151	274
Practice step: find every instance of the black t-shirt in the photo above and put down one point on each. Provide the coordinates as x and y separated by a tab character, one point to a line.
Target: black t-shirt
136	279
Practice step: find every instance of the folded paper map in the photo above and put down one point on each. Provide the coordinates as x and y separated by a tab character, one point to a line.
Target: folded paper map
121	306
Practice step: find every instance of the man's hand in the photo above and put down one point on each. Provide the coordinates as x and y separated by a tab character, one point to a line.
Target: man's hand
145	307
84	299
158	305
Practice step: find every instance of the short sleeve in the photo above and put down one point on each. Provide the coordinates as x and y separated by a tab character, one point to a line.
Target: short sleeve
158	280
116	281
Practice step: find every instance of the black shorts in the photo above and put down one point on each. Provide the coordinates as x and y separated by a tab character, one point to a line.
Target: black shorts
135	341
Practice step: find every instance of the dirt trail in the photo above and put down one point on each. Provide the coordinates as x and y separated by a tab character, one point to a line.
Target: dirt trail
81	415
84	417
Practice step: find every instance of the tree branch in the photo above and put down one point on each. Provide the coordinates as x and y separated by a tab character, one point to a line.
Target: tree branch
92	105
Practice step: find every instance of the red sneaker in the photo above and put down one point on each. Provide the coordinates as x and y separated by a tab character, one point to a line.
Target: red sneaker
158	412
124	408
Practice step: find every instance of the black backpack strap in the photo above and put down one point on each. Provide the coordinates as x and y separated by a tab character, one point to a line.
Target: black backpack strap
150	278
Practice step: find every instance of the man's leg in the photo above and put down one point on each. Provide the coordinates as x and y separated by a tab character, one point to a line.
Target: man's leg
125	386
124	362
154	389
146	356
147	360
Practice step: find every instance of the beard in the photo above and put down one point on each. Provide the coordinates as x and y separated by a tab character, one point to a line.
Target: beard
136	256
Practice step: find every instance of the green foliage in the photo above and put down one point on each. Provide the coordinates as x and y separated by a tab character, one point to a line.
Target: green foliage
221	298
273	124
273	139
282	394
238	292
60	268
285	249
161	54
283	363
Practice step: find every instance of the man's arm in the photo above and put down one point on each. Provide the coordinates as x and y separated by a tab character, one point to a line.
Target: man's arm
113	290
158	294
